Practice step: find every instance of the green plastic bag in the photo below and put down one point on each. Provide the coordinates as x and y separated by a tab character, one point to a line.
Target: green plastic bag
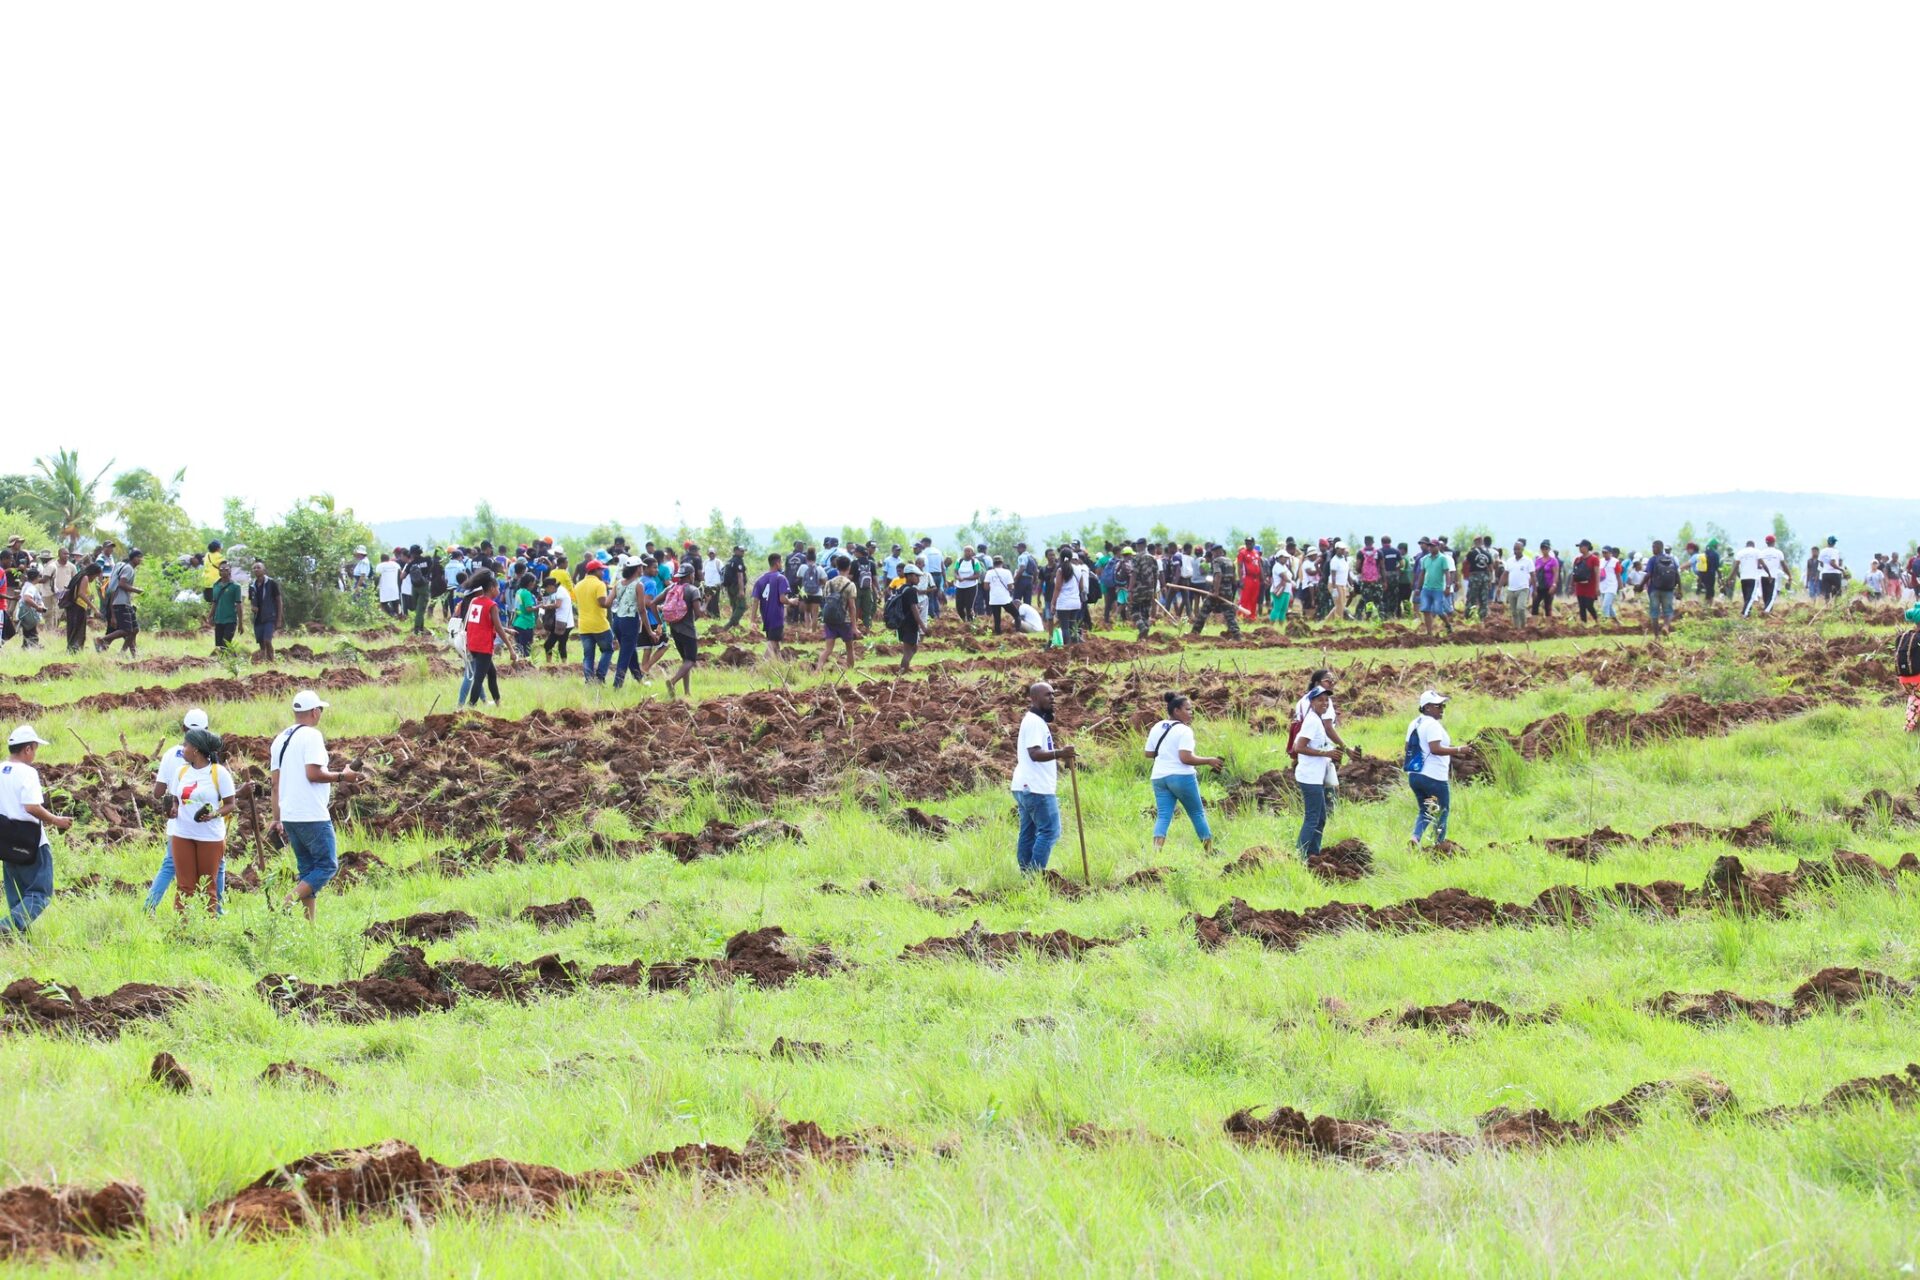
1056	640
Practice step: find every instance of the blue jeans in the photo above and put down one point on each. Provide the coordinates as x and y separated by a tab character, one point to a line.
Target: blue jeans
1039	829
313	852
627	631
1314	824
1431	801
589	642
164	881
1185	789
933	610
30	889
466	679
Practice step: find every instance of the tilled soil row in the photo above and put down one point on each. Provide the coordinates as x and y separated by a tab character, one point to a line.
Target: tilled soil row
1373	1144
406	984
1728	886
329	1189
37	1004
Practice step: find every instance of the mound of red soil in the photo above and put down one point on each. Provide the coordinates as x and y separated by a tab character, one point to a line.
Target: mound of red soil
1347	860
53	1006
920	822
1251	859
1829	989
780	1148
1589	847
167	1072
37	1221
1457	1015
558	915
719	837
797	1050
979	945
766	957
292	1073
423	926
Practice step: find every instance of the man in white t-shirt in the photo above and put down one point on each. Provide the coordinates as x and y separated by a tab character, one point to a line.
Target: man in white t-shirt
1748	561
362	570
172	761
1833	572
1315	753
388	573
1035	781
1429	764
302	794
999	584
29	885
1610	583
1516	572
1774	575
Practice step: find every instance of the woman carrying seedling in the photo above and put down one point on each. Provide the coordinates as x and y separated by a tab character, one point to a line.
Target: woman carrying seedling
1428	762
1175	772
202	801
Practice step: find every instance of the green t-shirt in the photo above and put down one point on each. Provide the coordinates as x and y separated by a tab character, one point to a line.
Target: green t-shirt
1435	569
226	602
525	609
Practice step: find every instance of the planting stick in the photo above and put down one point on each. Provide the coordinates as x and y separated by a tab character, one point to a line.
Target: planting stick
1073	775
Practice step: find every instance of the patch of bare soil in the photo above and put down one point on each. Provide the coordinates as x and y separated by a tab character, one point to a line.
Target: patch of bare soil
423	926
37	1004
719	837
766	957
558	915
977	944
292	1073
39	1222
167	1072
1347	860
1826	991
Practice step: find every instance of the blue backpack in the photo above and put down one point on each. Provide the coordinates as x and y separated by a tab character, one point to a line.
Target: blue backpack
1414	759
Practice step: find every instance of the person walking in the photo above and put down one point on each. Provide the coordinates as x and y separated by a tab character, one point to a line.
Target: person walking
485	625
1143	586
1281	590
1833	572
1436	587
1516	577
590	600
79	601
629	603
224	596
27	870
120	591
967	572
1662	580
1315	754
733	580
558	607
1170	745
903	614
526	614
1546	569
770	592
679	610
30	608
1036	781
1585	572
1480	565
302	787
1775	577
202	801
263	605
998	584
171	762
839	602
1067	598
1428	760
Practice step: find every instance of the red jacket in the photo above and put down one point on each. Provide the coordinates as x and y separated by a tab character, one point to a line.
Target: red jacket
1591	587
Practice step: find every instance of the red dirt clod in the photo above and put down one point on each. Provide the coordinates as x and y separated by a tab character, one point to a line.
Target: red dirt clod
167	1072
558	915
292	1073
37	1221
1347	860
979	945
423	926
43	1005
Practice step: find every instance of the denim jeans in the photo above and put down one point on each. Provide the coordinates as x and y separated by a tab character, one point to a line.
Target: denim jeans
933	603
1313	824
1183	788
627	632
1039	829
313	852
1431	801
30	889
164	881
590	641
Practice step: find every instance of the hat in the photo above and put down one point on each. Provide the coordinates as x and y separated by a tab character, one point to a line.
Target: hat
1431	696
359	551
21	736
1831	539
1583	542
1316	692
628	562
16	538
1769	539
592	565
906	569
307	700
194	719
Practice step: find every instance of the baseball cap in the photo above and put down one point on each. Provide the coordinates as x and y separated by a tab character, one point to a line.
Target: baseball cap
906	569
21	736
1769	539
592	565
194	719
307	700
1431	696
1315	692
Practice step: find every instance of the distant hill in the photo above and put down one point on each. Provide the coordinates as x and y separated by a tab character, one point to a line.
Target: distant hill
1862	524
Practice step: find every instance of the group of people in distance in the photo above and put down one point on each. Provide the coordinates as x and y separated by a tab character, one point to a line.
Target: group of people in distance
1312	740
200	792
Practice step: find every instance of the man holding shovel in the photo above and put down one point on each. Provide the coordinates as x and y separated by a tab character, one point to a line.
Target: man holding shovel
1036	781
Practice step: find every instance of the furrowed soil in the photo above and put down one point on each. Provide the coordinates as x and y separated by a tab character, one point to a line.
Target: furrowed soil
1649	1009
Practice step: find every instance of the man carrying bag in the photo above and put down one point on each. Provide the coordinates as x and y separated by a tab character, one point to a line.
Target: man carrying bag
26	859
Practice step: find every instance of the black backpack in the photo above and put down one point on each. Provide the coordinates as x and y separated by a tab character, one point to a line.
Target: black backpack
1479	560
1582	569
833	609
896	614
1093	588
1906	653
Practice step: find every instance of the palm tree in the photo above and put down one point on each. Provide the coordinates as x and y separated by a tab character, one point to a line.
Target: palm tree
62	497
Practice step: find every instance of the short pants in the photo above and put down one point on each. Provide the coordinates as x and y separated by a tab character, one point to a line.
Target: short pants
841	631
1436	600
1660	605
313	852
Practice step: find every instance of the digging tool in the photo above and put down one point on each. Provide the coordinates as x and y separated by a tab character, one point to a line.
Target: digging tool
1073	776
77	738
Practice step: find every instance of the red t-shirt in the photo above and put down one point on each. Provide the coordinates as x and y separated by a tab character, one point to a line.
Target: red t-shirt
480	633
1591	587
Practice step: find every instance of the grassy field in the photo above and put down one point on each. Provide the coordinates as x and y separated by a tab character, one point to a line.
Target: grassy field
976	1080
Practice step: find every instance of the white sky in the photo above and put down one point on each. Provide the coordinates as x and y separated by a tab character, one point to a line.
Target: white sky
585	259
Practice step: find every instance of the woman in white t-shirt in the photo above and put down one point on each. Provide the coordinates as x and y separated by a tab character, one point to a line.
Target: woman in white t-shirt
999	584
558	606
1429	762
1315	752
202	791
1282	588
1175	772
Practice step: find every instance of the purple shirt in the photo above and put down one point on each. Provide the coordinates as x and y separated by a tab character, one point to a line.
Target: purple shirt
1546	571
771	590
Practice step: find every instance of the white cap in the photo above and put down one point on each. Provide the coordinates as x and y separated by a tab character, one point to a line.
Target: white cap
194	719
1431	696
21	736
359	551
307	700
628	562
910	568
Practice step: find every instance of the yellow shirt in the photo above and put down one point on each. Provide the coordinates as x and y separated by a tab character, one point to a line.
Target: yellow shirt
562	579
210	568
590	614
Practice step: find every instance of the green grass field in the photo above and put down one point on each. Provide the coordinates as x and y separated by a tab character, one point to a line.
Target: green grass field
975	1076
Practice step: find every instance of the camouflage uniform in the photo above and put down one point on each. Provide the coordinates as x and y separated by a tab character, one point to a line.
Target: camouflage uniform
1225	591
1370	594
1143	590
1479	584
